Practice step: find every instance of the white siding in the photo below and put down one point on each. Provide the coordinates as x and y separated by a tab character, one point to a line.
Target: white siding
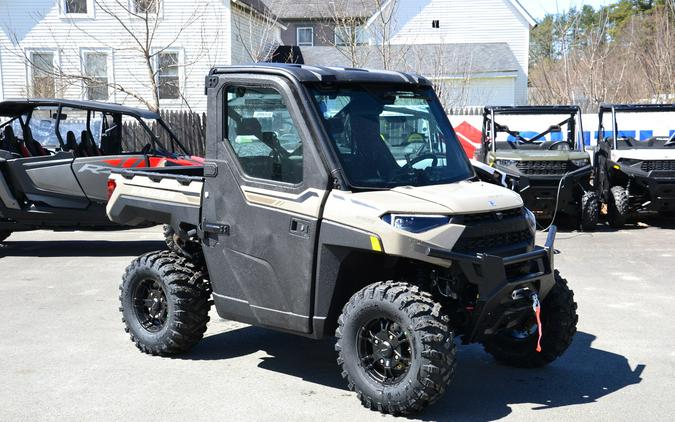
252	36
466	21
39	24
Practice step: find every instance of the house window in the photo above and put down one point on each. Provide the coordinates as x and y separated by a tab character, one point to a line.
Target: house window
43	81
75	7
95	64
349	35
168	81
305	36
145	6
435	24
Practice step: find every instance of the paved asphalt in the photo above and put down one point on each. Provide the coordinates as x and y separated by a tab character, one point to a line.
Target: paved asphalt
64	354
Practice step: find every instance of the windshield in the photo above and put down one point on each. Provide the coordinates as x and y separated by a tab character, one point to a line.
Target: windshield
387	137
639	130
533	132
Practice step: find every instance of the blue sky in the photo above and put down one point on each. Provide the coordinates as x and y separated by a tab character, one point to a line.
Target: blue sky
538	8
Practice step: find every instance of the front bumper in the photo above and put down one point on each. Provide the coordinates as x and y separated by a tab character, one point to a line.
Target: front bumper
497	278
658	188
541	193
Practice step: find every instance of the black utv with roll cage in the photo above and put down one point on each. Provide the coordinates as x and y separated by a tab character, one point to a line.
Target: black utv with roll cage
55	157
634	175
554	175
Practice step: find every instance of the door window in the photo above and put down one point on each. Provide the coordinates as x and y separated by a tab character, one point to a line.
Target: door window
42	126
262	134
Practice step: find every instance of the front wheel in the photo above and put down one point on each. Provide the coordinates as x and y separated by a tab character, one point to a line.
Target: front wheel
165	303
4	234
559	318
590	211
395	348
617	212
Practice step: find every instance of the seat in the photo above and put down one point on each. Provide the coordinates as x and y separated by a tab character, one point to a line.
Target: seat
36	149
9	141
87	146
71	142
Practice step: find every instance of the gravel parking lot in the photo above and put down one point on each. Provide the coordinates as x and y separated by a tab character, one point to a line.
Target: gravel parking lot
64	354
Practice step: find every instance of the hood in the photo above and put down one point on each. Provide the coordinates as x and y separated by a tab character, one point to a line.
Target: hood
456	198
667	153
543	155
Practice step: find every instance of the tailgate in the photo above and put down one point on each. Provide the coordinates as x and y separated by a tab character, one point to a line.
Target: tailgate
146	197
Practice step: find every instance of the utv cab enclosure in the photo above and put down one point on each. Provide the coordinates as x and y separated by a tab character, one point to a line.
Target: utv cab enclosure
314	215
635	170
55	157
550	163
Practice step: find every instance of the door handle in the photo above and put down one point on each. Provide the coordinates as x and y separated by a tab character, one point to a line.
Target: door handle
299	227
216	228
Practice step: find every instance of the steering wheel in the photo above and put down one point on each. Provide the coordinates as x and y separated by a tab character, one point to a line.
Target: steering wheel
554	145
422	157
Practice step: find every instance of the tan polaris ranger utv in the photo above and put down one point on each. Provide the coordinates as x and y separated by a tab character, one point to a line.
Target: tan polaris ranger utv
315	215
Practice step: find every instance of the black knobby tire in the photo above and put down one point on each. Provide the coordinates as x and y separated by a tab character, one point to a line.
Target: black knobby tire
559	321
178	289
590	211
618	207
430	350
174	242
4	234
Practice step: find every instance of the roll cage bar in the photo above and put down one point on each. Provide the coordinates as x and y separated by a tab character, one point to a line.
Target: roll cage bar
626	108
490	113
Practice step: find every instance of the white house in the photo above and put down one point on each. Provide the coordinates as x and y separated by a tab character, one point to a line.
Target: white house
125	51
473	21
476	51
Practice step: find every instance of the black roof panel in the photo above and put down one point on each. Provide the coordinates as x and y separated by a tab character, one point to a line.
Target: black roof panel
15	107
637	107
307	73
533	109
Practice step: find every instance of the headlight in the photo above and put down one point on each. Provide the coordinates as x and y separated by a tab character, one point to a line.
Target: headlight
415	223
531	220
506	163
580	163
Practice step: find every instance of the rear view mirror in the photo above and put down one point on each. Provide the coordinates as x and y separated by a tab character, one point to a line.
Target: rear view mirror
61	116
555	128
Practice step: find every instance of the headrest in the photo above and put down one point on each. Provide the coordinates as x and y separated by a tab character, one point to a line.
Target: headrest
249	126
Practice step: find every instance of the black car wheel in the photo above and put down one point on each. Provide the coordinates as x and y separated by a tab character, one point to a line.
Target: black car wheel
165	303
395	348
590	211
518	346
618	207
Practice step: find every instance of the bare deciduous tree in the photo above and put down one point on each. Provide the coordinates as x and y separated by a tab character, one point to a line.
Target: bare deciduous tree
256	29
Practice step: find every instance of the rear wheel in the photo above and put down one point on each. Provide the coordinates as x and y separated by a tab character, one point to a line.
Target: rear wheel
4	234
618	207
178	245
395	348
164	303
559	318
590	211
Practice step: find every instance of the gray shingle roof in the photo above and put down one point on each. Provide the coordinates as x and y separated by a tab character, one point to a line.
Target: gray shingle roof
312	9
430	60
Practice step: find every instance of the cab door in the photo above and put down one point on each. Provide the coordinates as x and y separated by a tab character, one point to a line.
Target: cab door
261	204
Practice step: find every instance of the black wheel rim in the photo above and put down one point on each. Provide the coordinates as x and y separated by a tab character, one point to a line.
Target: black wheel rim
525	330
150	305
384	350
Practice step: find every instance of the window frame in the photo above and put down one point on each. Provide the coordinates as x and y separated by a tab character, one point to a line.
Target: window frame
109	74
158	13
180	74
297	36
295	114
89	14
30	69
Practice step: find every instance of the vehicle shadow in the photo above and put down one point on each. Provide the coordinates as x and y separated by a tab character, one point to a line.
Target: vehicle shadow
482	390
75	248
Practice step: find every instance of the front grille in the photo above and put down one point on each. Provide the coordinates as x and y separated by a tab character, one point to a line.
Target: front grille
543	168
500	232
658	165
493	242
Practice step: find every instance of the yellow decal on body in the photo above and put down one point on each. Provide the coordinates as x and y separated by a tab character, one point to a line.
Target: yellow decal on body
375	243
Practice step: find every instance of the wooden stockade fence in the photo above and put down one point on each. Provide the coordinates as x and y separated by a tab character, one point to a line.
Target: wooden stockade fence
189	128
